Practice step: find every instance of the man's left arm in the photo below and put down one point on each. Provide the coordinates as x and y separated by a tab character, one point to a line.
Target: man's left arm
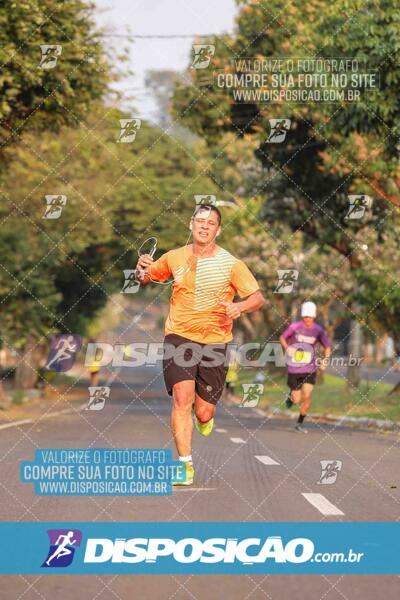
246	286
324	341
249	305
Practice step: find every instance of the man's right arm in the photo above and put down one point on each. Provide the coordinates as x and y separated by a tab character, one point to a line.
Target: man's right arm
285	336
142	264
149	270
284	343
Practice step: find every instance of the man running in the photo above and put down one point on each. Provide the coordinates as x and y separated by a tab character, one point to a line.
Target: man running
206	278
299	341
66	347
62	544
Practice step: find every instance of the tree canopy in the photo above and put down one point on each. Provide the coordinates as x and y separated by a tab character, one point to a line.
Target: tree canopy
57	87
57	273
331	150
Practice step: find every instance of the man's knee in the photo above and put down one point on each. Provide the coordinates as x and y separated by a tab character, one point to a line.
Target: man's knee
205	413
182	398
295	396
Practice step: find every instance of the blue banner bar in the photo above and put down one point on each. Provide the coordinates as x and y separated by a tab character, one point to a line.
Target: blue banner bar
200	548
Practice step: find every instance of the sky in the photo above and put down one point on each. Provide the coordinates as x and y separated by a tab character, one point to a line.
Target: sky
160	17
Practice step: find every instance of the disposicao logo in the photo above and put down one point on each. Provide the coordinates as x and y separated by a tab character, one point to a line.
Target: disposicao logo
190	550
62	547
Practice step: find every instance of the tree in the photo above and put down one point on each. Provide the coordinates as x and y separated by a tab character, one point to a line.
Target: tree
58	273
347	148
53	68
378	287
40	98
161	84
330	151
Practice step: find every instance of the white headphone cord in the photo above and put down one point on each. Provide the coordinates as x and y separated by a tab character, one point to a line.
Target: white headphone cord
162	282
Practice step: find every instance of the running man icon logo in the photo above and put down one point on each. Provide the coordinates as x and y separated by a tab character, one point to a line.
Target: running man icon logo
205	199
358	205
63	543
251	394
131	285
97	397
286	280
50	54
129	129
329	471
63	350
279	129
202	55
54	206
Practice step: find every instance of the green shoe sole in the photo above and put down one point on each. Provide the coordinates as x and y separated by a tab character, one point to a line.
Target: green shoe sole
205	429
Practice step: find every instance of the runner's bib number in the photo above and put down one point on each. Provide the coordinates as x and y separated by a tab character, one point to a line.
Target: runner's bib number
301	357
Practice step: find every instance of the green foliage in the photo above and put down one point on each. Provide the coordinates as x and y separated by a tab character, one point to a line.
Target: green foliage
380	298
37	98
19	397
299	193
57	274
331	151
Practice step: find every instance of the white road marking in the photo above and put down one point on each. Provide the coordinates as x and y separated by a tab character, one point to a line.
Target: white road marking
182	488
220	430
37	421
81	407
267	460
322	504
237	441
16	423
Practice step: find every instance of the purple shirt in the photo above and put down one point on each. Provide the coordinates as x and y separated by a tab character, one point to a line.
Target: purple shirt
303	340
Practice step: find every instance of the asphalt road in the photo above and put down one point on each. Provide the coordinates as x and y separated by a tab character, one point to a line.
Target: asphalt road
231	484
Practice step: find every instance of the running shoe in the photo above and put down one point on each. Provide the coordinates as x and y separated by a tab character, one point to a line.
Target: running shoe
185	476
204	428
289	402
299	427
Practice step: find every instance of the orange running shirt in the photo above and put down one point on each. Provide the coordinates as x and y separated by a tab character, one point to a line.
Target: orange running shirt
199	285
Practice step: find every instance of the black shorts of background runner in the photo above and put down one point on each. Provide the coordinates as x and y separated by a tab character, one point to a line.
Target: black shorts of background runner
209	381
296	380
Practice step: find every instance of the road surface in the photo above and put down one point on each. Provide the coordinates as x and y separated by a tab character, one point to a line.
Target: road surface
252	468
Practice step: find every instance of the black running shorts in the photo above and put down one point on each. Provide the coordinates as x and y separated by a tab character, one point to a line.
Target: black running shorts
206	364
296	380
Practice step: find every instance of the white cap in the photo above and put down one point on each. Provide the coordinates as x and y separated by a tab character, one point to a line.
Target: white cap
308	309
